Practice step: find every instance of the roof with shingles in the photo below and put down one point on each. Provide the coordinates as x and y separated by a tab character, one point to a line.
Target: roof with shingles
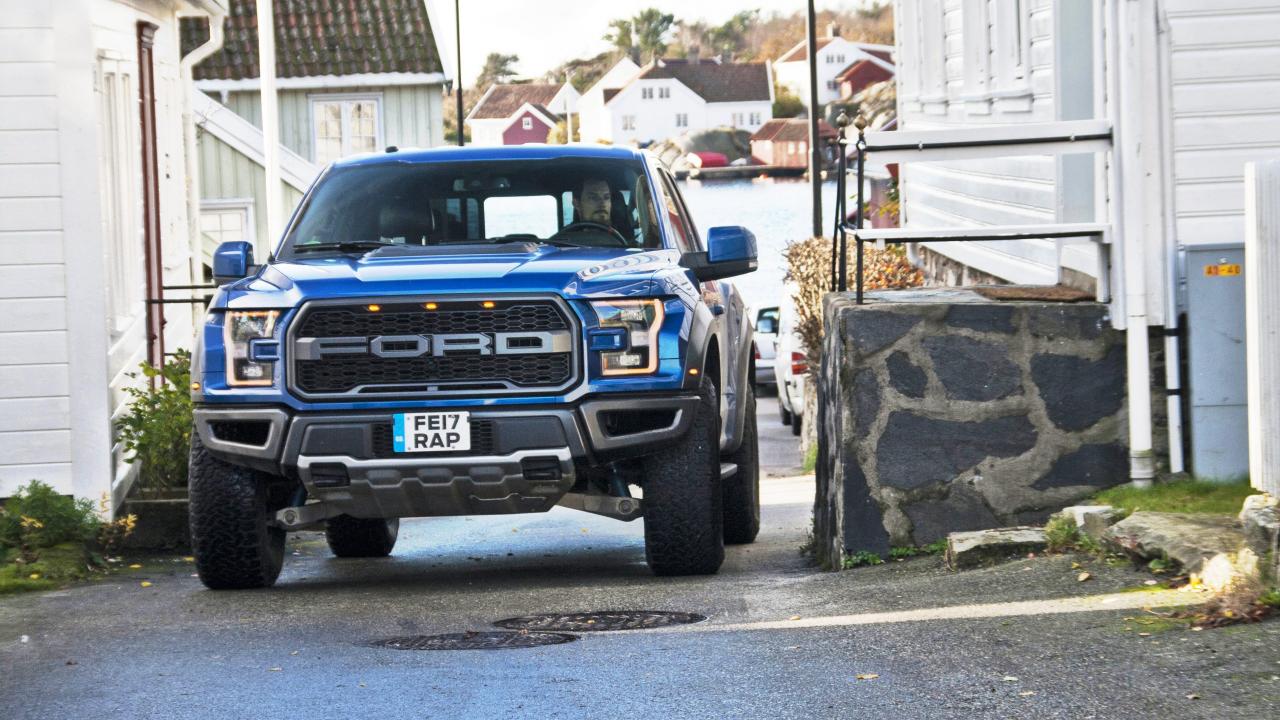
713	81
501	101
321	37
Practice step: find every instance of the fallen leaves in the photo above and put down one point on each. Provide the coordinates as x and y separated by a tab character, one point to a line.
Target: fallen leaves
1026	693
1193	696
145	583
135	566
1010	678
274	669
866	676
794	617
1083	577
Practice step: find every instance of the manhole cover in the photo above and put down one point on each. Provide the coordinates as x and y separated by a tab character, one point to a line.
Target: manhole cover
602	621
475	641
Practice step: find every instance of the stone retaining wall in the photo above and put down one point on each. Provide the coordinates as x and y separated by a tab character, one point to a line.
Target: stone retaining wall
942	411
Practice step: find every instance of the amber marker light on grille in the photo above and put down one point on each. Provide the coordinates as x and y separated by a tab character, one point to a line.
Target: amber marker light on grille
195	386
430	306
693	371
373	308
488	304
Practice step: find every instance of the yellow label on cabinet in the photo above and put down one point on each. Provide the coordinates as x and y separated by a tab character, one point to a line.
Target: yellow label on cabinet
1222	269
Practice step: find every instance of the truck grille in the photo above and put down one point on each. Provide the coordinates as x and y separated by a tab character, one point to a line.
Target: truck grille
365	373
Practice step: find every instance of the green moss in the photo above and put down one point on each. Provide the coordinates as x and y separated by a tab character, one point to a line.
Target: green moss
811	459
1156	624
1184	496
1271	598
57	564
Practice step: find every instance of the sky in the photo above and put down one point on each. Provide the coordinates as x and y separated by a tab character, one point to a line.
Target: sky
545	34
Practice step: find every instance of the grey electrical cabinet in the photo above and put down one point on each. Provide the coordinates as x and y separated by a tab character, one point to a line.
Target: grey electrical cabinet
1216	360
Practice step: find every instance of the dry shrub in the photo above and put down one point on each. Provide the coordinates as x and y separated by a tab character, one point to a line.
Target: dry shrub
809	271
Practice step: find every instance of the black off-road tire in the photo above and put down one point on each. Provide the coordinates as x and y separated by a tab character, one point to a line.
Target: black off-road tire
683	516
350	537
742	489
234	546
797	424
783	413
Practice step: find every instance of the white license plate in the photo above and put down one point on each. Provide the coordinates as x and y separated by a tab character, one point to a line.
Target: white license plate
432	432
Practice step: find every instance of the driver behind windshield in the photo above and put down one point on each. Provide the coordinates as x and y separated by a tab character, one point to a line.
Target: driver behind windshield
593	202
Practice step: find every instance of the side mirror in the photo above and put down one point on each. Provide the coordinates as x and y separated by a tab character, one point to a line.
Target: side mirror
731	250
231	261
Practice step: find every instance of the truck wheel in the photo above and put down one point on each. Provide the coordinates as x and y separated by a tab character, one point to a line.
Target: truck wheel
797	424
350	537
783	413
683	520
742	489
234	545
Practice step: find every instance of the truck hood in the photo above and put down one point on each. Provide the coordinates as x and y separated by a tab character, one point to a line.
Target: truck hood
568	272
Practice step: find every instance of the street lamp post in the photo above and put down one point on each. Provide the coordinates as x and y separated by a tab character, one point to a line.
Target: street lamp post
457	27
815	157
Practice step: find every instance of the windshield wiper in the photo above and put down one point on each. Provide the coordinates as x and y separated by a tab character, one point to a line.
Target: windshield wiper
345	246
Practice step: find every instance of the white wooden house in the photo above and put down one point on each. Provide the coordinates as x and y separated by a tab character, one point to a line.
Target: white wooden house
1182	93
670	97
835	55
351	78
593	116
93	225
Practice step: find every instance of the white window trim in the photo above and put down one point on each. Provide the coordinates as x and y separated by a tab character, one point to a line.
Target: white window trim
976	34
245	204
932	39
314	99
1012	42
526	123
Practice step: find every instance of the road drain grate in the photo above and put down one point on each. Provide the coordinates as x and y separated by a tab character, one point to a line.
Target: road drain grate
601	621
476	641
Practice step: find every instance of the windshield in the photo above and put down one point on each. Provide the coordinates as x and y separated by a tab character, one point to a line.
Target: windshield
427	206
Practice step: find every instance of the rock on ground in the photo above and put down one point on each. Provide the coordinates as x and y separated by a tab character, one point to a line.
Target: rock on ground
983	547
1210	547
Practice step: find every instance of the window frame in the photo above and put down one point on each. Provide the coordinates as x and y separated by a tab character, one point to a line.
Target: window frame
346	99
1011	51
629	122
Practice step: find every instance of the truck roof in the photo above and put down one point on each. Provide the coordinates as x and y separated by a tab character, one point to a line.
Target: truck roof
502	152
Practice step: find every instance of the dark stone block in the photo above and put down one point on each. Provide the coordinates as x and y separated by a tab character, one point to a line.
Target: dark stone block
863	524
961	510
972	369
983	318
1085	321
905	376
1079	392
866	401
1100	466
916	451
872	330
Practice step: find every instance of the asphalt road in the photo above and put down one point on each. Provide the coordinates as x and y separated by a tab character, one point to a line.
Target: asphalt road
782	640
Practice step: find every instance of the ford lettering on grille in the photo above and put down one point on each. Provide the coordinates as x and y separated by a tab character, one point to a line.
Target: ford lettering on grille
404	348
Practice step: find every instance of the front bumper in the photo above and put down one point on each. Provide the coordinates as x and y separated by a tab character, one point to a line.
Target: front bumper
523	460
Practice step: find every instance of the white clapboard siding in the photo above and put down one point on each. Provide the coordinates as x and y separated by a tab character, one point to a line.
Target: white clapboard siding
35	438
1224	60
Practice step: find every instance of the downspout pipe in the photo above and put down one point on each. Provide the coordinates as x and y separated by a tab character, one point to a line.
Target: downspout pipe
1128	112
217	15
1173	268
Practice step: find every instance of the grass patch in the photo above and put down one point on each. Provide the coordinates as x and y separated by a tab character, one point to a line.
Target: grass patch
862	558
811	459
56	565
1183	496
934	548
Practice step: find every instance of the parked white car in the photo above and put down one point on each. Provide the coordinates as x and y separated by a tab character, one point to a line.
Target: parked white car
766	346
790	366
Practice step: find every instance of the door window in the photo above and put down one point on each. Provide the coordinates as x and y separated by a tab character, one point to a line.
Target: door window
344	126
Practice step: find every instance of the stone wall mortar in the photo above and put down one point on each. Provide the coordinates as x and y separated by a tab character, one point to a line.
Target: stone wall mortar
1002	460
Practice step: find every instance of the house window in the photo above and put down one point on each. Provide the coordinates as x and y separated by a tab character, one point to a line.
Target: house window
628	122
840	59
345	125
526	123
664	92
737	119
223	221
646	93
833	84
682	120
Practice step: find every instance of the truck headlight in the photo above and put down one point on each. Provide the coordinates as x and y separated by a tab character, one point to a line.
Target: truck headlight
240	327
641	320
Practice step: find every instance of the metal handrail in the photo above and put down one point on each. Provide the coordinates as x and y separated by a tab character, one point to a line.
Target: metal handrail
1098	233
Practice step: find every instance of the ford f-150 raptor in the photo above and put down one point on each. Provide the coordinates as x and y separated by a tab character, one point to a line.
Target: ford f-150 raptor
476	331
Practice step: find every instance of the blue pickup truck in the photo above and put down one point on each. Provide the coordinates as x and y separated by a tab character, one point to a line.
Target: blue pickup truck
476	331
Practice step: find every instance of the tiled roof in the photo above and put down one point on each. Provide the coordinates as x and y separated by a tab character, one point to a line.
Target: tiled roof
610	92
501	101
791	130
714	81
863	73
800	53
322	37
